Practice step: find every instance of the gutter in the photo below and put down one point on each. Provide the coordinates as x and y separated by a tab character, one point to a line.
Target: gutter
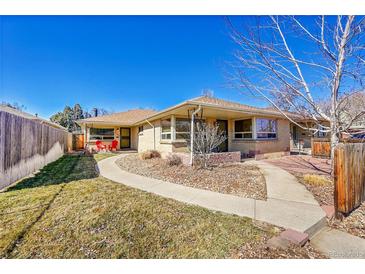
192	134
154	134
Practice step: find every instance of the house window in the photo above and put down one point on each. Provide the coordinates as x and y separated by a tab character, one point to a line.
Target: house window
243	129
166	129
320	133
140	129
101	134
182	129
266	128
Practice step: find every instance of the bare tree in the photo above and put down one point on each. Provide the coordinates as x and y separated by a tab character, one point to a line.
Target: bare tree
297	61
351	109
206	139
14	105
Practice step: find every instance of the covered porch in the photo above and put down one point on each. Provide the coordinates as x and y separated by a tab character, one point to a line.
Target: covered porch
109	137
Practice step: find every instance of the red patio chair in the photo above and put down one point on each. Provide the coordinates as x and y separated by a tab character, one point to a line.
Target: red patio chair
114	145
99	145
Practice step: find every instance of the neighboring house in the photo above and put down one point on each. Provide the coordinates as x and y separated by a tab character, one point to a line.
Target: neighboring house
259	132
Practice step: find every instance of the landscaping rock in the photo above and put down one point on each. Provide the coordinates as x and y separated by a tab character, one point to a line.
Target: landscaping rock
231	178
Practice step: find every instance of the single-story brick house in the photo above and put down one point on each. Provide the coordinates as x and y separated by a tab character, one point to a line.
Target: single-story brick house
260	132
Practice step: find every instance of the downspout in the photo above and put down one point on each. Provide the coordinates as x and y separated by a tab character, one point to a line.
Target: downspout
154	134
192	134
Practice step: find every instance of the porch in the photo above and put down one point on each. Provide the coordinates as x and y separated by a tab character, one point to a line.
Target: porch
109	137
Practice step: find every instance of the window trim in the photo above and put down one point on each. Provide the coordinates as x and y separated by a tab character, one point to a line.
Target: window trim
93	137
267	132
243	132
181	132
164	133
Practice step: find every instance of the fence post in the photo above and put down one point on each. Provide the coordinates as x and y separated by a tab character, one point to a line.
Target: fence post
349	177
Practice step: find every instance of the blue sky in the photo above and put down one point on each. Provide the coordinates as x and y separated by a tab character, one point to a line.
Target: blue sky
114	62
125	62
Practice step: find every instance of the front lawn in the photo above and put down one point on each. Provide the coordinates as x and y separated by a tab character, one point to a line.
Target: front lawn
67	211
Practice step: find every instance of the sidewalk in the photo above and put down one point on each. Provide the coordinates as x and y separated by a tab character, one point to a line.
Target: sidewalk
289	204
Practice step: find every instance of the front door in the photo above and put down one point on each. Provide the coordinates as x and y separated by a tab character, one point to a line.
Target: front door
223	127
125	137
295	135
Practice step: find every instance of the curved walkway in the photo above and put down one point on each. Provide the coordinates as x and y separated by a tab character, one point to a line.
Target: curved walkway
289	203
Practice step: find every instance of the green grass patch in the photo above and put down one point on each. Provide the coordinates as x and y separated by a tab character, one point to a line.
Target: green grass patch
85	216
101	156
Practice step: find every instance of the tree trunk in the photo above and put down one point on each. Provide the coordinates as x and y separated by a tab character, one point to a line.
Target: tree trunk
334	140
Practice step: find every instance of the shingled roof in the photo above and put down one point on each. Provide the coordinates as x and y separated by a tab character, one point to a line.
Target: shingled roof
124	118
208	100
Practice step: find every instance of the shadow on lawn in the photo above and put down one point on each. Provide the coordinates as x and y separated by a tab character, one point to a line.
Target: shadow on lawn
66	169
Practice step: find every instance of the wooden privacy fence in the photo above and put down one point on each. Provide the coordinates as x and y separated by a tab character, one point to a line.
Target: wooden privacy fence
321	147
27	144
349	176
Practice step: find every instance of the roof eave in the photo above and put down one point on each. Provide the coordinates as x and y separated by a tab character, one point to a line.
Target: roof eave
193	103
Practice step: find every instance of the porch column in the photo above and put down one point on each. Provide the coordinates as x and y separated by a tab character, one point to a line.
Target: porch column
85	136
173	127
254	134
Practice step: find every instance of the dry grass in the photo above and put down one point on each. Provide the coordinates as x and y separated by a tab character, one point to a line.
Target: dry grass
232	178
66	211
101	156
173	160
78	215
316	180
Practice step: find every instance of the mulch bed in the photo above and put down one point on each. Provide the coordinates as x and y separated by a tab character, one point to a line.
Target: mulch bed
353	224
322	193
233	178
260	250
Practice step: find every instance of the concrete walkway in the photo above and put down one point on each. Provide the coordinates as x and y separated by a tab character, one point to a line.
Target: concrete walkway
339	245
289	204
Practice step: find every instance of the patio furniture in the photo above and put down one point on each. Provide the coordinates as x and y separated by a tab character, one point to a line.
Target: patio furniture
114	145
100	145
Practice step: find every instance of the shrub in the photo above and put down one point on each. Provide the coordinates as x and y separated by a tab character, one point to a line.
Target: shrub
316	180
173	160
155	154
149	154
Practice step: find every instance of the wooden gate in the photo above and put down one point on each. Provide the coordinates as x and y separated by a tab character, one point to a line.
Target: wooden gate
78	141
349	175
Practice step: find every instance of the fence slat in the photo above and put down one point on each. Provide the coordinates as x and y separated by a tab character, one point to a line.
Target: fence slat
349	175
26	145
